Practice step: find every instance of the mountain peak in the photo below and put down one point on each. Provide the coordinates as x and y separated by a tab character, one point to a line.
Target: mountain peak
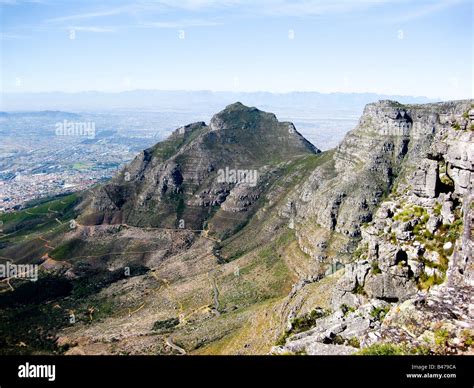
179	177
238	115
238	105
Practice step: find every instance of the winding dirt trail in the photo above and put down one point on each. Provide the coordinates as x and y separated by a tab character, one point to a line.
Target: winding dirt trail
172	345
215	291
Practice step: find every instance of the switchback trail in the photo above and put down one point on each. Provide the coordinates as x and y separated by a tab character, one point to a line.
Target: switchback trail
172	345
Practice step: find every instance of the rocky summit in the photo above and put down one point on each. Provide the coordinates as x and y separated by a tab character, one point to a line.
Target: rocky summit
241	237
225	164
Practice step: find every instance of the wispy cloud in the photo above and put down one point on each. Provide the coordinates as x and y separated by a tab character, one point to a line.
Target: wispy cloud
179	24
275	7
143	9
301	8
92	29
423	9
312	8
195	5
201	13
92	15
244	7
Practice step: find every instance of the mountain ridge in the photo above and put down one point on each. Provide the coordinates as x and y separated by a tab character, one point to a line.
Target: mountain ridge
183	168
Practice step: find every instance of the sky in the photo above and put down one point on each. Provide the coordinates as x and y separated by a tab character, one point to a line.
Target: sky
416	48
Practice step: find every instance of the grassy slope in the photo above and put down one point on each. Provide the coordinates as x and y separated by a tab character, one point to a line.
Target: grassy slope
26	233
269	262
264	250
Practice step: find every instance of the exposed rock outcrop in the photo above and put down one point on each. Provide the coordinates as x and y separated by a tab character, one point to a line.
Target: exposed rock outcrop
417	244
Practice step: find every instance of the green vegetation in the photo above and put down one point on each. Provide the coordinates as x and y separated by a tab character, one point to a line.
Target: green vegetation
361	252
63	251
35	312
265	276
393	238
307	163
354	342
388	349
359	289
27	233
39	218
93	281
167	148
165	324
34	325
456	126
307	321
441	337
379	313
346	309
302	323
425	282
180	208
47	287
236	241
467	337
455	230
101	310
375	268
411	211
81	166
434	242
383	349
443	175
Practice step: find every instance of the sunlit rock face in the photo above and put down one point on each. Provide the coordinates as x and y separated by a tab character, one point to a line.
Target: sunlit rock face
409	275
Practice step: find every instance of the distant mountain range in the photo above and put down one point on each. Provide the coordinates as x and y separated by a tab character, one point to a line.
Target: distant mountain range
42	114
204	101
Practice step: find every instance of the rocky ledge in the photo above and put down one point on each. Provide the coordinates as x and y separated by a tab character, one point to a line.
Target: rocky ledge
408	286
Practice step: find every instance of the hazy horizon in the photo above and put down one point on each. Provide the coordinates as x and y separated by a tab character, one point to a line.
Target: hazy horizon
391	47
207	100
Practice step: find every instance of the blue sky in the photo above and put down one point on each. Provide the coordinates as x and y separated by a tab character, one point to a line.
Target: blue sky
422	47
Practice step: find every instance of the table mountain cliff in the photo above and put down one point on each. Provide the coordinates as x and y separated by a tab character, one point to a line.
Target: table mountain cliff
399	210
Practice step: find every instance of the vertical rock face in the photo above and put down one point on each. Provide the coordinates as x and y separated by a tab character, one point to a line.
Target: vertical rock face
425	179
343	194
390	139
402	190
458	151
461	267
420	231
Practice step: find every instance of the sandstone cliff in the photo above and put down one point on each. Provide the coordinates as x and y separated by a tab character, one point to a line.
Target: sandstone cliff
402	192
